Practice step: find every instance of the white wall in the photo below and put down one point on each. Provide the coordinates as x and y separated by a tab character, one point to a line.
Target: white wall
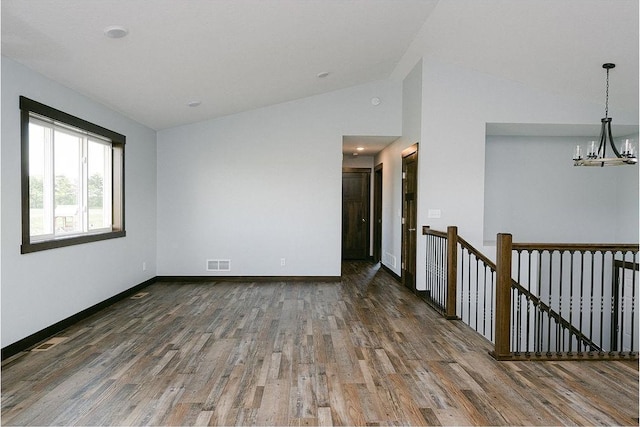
351	161
533	191
42	288
263	185
391	159
457	104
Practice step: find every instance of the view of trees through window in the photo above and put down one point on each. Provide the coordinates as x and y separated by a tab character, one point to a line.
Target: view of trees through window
67	191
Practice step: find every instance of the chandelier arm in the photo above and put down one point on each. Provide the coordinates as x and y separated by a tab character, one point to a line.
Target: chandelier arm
602	147
613	146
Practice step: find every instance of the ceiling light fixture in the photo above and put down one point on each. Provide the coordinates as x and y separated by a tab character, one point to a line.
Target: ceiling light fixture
323	74
194	103
116	32
360	148
597	156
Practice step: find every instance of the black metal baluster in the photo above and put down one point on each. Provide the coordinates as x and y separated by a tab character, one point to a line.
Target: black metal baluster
581	298
538	311
601	324
469	293
570	352
445	290
427	262
484	300
619	304
593	256
549	302
528	319
477	290
518	331
559	341
462	284
632	348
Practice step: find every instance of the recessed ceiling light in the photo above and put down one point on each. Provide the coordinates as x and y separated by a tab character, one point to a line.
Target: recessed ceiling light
116	32
323	74
360	148
375	101
194	103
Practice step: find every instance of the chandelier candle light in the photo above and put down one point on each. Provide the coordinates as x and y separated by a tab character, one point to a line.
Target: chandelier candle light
596	155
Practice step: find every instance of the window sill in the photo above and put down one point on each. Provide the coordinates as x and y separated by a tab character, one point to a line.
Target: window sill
26	248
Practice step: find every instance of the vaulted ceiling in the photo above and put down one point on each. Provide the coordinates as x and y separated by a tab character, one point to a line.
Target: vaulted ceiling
237	55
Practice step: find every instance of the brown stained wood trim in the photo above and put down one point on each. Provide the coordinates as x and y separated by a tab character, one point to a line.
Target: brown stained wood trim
577	247
118	141
61	116
472	250
358	170
627	265
26	248
391	273
249	279
477	253
410	150
426	230
503	297
566	356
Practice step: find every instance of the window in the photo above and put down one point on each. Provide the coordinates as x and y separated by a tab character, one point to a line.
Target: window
72	179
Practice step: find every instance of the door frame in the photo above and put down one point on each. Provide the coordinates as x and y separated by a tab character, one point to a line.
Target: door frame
377	213
408	255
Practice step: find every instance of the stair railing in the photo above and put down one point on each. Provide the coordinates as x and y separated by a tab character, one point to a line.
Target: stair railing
538	301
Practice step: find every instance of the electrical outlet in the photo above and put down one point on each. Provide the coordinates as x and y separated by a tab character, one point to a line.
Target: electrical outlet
283	262
144	266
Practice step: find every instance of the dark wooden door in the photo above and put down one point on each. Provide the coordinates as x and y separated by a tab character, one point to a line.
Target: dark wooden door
377	214
409	215
355	213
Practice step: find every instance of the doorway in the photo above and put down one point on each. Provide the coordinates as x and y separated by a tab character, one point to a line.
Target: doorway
355	213
409	215
377	214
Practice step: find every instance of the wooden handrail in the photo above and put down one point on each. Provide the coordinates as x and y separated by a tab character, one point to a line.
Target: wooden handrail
428	230
477	254
576	247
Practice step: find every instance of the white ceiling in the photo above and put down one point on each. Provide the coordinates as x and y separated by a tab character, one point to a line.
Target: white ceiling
237	55
232	55
371	144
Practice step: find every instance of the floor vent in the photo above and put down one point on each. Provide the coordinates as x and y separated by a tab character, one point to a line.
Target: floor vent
47	345
139	295
218	265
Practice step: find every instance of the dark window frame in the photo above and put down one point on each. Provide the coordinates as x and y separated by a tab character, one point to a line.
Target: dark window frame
28	106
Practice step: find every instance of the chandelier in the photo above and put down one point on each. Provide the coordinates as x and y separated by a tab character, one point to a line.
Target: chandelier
597	154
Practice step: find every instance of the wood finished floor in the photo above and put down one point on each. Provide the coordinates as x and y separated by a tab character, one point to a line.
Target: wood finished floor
363	351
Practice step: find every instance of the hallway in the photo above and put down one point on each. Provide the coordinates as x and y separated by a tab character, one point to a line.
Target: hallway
360	351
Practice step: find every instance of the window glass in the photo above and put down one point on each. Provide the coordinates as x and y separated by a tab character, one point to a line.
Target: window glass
68	183
40	185
99	185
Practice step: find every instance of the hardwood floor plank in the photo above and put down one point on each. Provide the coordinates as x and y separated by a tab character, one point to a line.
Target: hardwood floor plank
362	350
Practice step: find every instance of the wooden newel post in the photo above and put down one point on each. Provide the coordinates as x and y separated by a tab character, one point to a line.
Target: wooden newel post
452	272
502	348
